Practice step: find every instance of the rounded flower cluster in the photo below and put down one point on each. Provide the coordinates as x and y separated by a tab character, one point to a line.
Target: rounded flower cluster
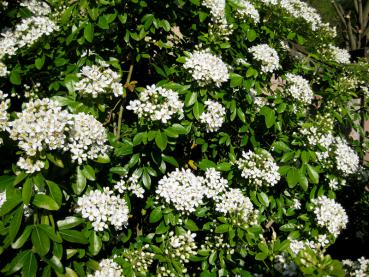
214	116
182	189
299	88
207	68
330	215
157	103
337	54
259	168
217	8
247	10
140	259
235	203
42	125
347	161
30	165
214	183
182	246
108	268
99	80
103	208
267	56
87	138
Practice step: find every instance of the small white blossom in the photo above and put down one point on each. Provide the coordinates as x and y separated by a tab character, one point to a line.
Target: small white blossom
299	88
347	161
259	169
214	116
157	104
36	7
182	246
359	268
215	184
30	165
2	198
130	184
87	138
99	80
108	268
267	56
206	68
285	266
337	54
330	215
103	208
182	189
3	70
247	10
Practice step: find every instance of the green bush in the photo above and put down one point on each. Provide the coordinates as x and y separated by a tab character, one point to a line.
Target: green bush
175	138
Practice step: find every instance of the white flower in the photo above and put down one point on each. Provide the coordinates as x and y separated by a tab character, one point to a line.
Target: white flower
182	246
285	266
36	7
3	69
108	268
235	203
131	185
42	125
267	56
206	68
99	80
215	184
157	104
337	54
30	165
330	215
299	88
182	189
4	106
217	8
246	9
103	208
87	138
347	161
296	204
214	116
2	198
296	246
359	268
259	169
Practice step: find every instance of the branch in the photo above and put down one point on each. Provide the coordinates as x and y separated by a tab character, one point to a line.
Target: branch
339	12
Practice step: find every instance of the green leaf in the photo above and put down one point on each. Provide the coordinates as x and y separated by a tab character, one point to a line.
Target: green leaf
88	32
261	256
15	223
289	227
30	265
10	204
313	174
89	172
69	222
50	233
170	160
45	202
155	215
146	179
80	184
55	192
17	263
95	244
293	177
27	191
39	62
22	238
161	140
40	240
263	198
15	78
73	236
223	228
55	160
56	264
197	110
251	35
269	116
191	225
190	99
124	149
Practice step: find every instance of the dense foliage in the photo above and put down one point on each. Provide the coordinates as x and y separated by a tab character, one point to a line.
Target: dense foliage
175	138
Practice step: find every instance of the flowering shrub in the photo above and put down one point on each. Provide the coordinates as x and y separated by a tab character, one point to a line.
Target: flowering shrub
175	138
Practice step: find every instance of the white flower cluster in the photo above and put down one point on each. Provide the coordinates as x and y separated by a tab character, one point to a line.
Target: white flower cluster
44	126
182	189
108	268
36	7
235	203
103	208
214	116
359	268
140	259
347	161
330	215
87	138
299	88
3	69
337	54
214	183
217	11
206	68
99	80
318	137
247	10
182	247
284	265
2	198
259	168
157	103
4	106
41	125
130	184
297	245
267	56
